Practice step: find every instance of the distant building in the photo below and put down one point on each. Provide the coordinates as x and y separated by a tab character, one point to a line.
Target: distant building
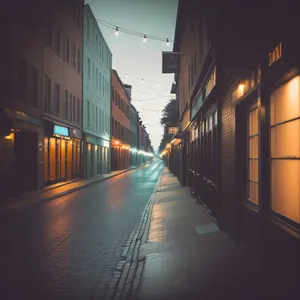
120	124
134	119
40	130
97	61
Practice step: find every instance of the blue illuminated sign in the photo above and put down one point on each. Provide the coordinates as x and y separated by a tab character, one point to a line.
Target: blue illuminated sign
61	130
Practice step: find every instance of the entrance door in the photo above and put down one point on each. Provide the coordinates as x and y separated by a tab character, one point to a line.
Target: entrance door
25	148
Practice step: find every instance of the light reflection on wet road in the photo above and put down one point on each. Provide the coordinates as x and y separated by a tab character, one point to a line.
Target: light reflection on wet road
68	248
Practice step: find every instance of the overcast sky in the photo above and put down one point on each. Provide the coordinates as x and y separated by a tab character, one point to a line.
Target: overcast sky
143	60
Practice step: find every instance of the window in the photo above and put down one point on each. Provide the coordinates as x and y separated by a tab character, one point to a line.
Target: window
68	50
55	108
47	93
102	124
100	80
88	28
100	121
253	179
33	88
70	106
73	55
89	68
97	118
78	61
74	109
100	46
78	17
49	34
66	106
57	41
285	150
88	113
97	78
103	84
93	116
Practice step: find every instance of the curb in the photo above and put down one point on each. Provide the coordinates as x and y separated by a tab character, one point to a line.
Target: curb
130	266
9	213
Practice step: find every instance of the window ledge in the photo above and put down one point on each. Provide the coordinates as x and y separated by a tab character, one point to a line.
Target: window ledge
286	225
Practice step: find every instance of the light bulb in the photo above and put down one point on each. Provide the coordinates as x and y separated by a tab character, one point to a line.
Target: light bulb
142	81
145	39
157	84
167	43
117	31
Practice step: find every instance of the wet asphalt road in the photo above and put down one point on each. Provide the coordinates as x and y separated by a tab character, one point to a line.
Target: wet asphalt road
68	248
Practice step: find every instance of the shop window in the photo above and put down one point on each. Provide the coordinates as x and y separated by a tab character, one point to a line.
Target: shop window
285	150
253	179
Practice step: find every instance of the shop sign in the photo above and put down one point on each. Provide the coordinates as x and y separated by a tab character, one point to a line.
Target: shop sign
171	62
275	55
197	104
173	130
60	130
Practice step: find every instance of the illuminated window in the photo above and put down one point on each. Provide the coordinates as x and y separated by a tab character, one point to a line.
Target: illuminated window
253	179
285	150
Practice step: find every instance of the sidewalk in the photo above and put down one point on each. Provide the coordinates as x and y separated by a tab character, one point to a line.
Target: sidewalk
186	255
52	192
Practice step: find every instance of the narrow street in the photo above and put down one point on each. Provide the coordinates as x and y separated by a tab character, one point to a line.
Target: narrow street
68	248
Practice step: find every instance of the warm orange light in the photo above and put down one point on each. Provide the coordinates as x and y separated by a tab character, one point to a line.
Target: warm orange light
117	142
9	137
123	147
241	88
168	146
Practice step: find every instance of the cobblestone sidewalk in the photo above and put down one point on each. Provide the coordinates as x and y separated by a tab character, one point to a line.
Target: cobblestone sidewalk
186	256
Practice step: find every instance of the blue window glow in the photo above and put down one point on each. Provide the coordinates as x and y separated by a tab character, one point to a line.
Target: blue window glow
61	130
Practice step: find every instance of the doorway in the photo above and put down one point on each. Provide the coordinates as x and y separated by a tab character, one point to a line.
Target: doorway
25	150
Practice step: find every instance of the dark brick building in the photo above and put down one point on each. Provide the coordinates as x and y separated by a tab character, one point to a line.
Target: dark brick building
238	92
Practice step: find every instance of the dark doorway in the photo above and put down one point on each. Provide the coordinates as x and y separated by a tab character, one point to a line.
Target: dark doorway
25	148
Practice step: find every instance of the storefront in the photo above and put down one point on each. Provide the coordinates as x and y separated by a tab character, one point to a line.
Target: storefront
62	153
97	156
120	155
267	111
20	153
203	146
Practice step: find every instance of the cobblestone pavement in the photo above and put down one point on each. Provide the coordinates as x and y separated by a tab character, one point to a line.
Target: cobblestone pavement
76	246
186	256
34	198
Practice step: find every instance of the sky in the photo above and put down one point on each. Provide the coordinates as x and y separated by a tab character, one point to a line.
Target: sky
138	59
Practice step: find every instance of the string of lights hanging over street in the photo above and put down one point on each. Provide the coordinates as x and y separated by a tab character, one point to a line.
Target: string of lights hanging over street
141	79
145	36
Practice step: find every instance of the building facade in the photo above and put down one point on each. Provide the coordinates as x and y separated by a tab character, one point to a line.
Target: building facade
120	124
134	118
62	92
40	145
239	111
97	61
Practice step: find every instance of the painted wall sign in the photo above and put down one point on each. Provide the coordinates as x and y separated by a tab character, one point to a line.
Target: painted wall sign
60	130
275	55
